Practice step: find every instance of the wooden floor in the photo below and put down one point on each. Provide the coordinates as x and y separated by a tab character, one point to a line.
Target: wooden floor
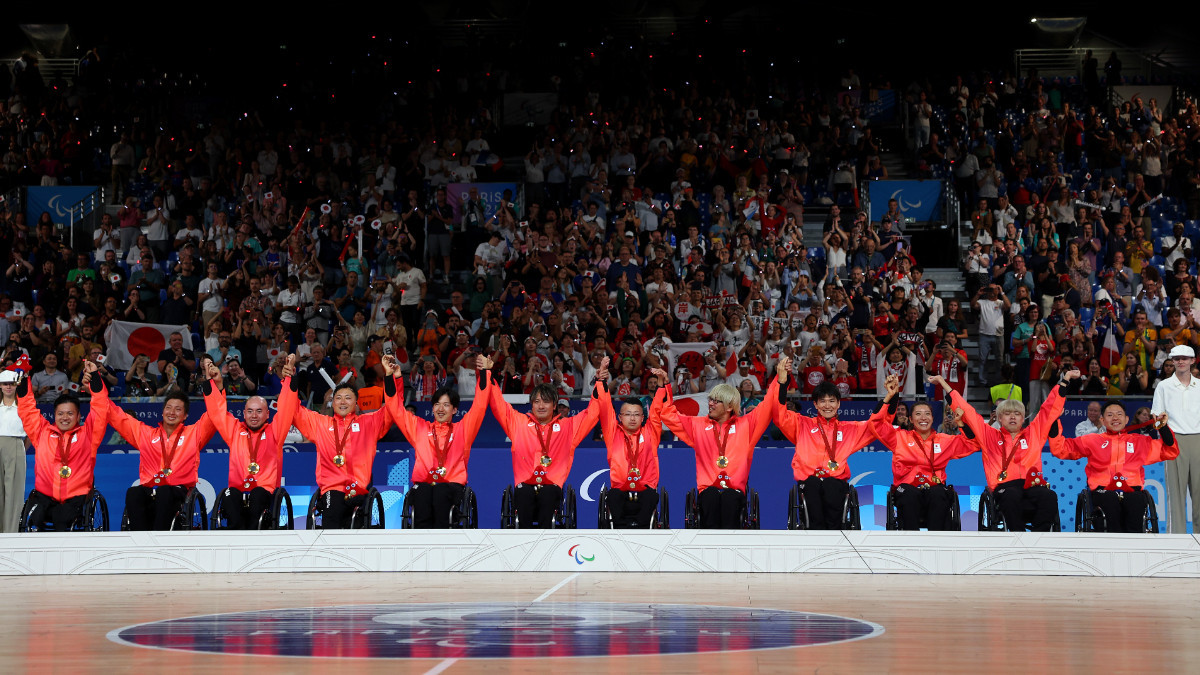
931	623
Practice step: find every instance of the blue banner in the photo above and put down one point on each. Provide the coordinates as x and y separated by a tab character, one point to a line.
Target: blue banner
918	199
489	193
883	108
58	200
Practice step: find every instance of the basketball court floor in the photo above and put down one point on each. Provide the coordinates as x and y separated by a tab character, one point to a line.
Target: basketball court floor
542	622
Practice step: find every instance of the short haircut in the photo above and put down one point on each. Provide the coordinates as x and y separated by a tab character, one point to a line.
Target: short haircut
1110	403
727	394
451	392
67	398
544	392
177	396
631	401
824	390
1010	405
346	385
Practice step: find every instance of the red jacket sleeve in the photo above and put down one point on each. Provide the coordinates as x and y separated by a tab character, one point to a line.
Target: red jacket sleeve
584	422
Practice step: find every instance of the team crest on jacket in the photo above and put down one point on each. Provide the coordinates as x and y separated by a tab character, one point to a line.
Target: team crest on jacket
354	427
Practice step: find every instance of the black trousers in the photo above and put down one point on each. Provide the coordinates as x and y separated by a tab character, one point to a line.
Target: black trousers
632	509
1036	505
153	508
1123	511
536	504
336	508
242	510
721	509
826	501
931	504
47	509
432	502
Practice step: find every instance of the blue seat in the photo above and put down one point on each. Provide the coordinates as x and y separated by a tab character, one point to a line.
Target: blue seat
1086	314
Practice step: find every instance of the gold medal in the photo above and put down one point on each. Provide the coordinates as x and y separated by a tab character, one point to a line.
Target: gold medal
722	462
546	460
167	471
635	472
632	486
253	468
1003	475
441	471
65	472
833	466
339	459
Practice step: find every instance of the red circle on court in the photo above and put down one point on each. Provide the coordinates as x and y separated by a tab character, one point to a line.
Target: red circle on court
687	406
145	340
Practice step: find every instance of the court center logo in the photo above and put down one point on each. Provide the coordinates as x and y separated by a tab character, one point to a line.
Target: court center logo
485	630
579	557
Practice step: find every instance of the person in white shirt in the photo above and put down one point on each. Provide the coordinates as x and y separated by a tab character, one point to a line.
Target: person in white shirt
1179	397
1176	246
12	454
1091	425
209	293
189	232
991	308
158	220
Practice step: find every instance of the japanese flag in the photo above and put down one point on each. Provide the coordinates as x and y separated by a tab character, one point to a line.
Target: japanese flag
126	339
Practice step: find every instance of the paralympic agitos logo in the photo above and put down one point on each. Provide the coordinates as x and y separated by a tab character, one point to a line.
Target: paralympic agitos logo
575	553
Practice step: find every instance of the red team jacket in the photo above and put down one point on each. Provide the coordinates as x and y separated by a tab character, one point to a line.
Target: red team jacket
1003	452
561	434
1110	454
812	453
54	449
182	448
263	447
455	438
621	444
913	455
360	435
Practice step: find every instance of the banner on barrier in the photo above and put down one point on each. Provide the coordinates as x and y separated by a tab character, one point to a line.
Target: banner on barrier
57	201
490	195
918	199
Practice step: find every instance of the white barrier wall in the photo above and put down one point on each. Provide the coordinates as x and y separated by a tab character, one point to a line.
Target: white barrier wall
1122	555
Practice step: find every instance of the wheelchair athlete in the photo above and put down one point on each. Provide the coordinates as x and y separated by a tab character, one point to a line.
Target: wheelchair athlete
255	445
64	453
441	449
823	447
632	454
919	459
346	445
168	463
1012	456
1116	465
724	443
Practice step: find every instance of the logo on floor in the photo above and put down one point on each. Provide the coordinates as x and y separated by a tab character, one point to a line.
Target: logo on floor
487	630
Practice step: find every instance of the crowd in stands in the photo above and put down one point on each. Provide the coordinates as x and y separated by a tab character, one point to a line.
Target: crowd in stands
674	216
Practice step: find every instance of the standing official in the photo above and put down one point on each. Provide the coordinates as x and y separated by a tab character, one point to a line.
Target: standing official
441	449
64	454
543	447
1179	398
632	455
255	446
724	443
12	454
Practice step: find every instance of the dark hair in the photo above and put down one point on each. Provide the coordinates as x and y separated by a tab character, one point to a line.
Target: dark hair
67	397
631	401
451	392
544	392
346	385
178	396
1110	403
825	390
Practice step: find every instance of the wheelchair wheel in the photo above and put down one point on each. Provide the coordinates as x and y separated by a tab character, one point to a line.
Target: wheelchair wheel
1150	518
955	517
406	509
750	521
508	510
467	517
691	509
662	517
569	521
125	524
370	515
23	524
797	509
604	519
851	516
893	521
280	516
193	513
94	517
312	520
1087	517
218	520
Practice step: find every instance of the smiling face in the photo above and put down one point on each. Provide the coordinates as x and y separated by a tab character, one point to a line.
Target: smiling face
542	408
444	410
255	413
173	412
828	406
344	402
66	416
1115	418
922	417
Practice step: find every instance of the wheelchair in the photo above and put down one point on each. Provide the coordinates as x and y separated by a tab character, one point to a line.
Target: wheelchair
564	515
362	517
278	518
93	517
893	517
661	520
798	510
192	513
463	516
991	518
1089	518
691	510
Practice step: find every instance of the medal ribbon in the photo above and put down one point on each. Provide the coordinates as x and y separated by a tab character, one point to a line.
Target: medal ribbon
544	440
1008	456
721	441
830	449
62	445
632	450
255	437
928	453
167	458
341	440
440	452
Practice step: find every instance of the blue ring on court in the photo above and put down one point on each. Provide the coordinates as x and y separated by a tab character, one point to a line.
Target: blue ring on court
495	630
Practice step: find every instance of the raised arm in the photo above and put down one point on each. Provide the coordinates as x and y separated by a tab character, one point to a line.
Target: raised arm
1066	448
97	419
